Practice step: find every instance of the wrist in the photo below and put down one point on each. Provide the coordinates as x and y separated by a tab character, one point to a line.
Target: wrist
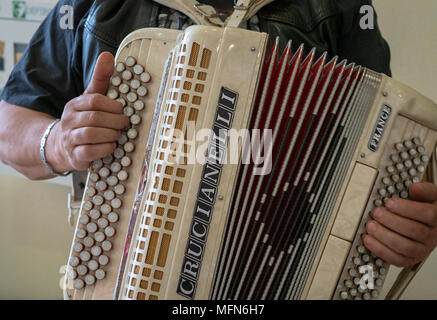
54	156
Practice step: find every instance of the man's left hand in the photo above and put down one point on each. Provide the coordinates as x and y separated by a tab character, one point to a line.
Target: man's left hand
404	232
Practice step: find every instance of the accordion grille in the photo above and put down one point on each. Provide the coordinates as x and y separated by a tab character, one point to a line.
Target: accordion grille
163	206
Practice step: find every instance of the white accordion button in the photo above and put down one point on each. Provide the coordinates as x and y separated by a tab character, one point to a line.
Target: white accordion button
99	236
77	247
116	203
78	284
112	94
98	200
88	242
120	67
119	153
399	146
113	217
85	256
102	223
139	105
94	177
101	185
119	189
103	260
127	75
93	265
132	133
81	233
135	119
135	84
90	192
142	91
109	195
100	274
132	97
82	270
109	232
71	274
122	101
408	144
113	180
115	81
129	147
106	245
122	175
145	77
128	111
138	69
95	214
84	219
124	88
87	205
91	227
74	261
115	167
123	139
104	172
130	61
97	164
90	279
96	251
126	161
105	208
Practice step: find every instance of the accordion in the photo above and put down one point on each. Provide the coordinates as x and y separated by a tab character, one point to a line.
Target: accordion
247	172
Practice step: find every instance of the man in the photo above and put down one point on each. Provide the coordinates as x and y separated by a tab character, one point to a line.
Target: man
58	77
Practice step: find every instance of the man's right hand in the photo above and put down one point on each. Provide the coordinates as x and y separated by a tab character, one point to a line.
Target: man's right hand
90	124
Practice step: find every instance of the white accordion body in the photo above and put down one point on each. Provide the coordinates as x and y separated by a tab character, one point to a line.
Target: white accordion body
345	139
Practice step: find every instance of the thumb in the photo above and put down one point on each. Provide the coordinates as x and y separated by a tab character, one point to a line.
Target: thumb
102	73
425	191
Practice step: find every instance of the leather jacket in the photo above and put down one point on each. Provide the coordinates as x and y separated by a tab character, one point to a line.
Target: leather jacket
327	25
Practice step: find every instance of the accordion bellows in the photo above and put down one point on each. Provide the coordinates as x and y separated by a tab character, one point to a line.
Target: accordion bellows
335	140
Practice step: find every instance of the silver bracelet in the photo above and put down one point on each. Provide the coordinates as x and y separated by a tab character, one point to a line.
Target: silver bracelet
42	150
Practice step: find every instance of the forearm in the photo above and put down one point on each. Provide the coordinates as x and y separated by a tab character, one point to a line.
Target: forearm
21	130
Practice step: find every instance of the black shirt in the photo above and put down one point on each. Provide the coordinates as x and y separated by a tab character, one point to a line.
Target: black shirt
58	63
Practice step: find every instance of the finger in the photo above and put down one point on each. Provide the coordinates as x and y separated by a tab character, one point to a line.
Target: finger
92	135
387	254
396	242
419	211
403	226
102	73
101	119
424	191
93	152
97	102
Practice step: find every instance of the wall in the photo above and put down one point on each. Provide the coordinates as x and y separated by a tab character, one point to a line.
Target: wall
34	238
410	27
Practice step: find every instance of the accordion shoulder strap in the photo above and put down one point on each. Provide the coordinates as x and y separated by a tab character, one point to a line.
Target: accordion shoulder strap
203	14
246	9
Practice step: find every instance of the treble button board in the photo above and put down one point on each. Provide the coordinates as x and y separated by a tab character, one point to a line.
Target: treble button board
103	202
364	273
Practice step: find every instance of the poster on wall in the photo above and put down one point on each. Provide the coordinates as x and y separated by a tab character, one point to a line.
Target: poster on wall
2	56
2	62
25	10
18	51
